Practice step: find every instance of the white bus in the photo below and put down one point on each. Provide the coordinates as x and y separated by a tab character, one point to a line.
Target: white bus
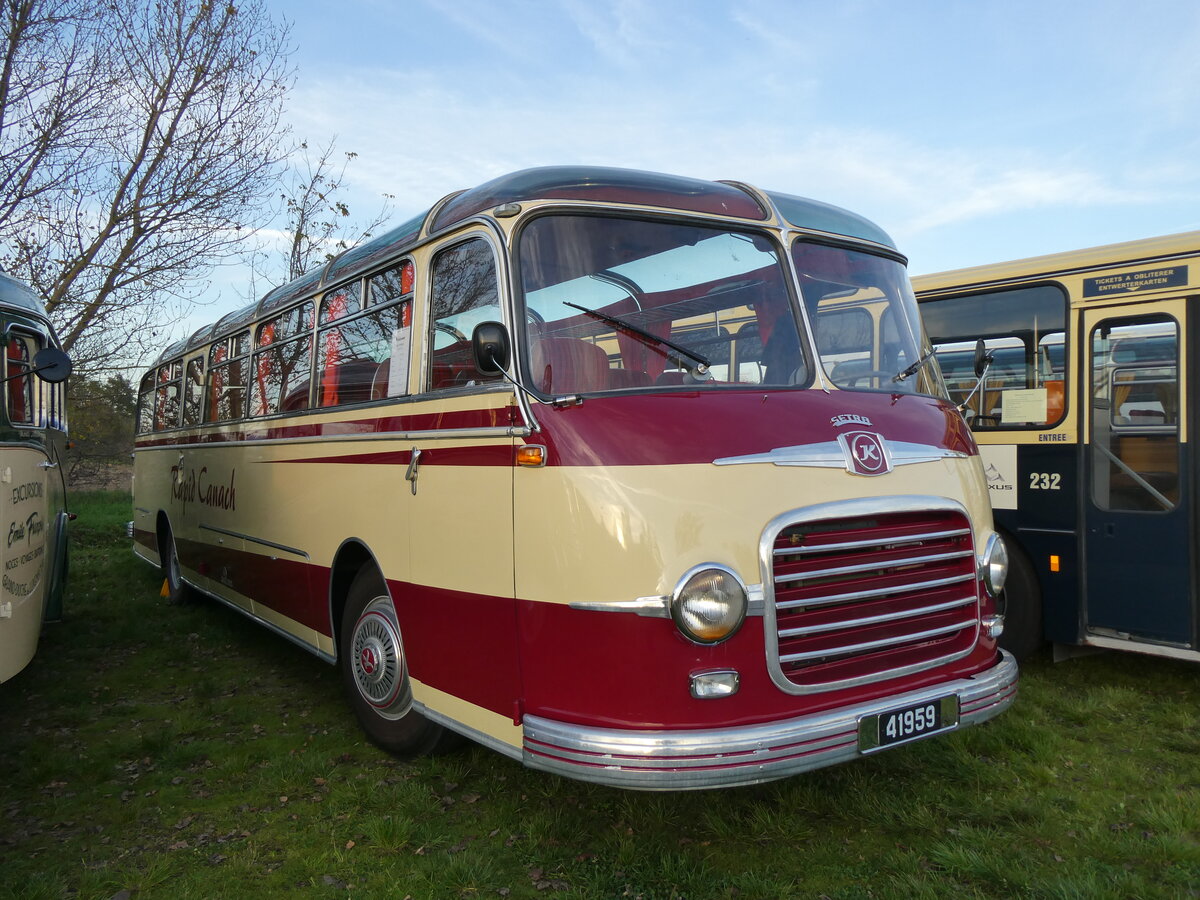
33	510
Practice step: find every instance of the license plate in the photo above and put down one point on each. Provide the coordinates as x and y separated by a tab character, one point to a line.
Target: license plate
907	723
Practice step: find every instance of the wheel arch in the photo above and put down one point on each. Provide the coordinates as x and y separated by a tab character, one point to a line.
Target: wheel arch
350	559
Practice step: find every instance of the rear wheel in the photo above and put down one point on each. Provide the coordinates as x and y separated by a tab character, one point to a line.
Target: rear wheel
176	589
375	673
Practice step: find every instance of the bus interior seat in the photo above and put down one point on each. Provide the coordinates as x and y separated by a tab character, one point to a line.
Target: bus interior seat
568	365
379	384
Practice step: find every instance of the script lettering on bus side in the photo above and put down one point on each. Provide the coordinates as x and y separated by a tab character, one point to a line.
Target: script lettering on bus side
200	487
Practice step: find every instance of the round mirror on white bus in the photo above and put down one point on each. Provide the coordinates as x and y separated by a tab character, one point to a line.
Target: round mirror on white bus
491	348
983	358
52	365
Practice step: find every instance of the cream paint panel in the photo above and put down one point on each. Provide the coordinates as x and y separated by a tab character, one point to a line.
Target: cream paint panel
461	537
25	555
601	534
482	720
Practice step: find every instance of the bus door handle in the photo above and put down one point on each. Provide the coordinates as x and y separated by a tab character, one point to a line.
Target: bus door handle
47	465
411	475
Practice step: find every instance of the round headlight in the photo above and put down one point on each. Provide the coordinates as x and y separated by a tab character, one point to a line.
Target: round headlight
709	605
994	565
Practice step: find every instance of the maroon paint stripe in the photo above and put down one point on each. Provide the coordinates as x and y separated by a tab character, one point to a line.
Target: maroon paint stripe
287	586
615	670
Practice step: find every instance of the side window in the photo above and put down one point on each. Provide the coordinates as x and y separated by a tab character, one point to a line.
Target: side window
282	367
193	391
1025	387
227	369
465	293
145	407
166	395
364	355
21	395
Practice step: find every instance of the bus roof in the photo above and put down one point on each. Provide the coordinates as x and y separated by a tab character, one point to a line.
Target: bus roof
1147	250
17	295
582	183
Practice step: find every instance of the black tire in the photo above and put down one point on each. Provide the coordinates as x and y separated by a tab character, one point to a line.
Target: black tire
375	673
178	591
1024	633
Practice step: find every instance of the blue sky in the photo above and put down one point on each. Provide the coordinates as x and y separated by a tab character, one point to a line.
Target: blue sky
972	132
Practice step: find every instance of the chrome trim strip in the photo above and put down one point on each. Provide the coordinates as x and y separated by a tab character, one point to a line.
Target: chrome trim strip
879	592
261	541
653	607
447	434
876	620
830	455
658	759
659	607
845	509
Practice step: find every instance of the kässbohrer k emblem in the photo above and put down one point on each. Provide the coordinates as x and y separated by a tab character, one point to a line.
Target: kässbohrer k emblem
866	453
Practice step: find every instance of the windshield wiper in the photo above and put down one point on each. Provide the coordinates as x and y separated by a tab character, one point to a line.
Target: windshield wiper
912	370
701	364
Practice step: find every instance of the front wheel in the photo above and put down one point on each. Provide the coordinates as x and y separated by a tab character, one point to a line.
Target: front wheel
1023	631
375	673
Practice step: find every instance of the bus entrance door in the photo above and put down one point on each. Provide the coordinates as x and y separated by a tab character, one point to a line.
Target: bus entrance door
1137	516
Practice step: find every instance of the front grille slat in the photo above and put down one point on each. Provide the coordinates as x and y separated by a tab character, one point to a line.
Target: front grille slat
867	567
852	596
875	645
870	596
872	542
785	633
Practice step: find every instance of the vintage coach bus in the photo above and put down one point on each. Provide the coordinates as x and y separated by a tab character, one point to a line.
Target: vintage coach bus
1083	421
33	552
640	479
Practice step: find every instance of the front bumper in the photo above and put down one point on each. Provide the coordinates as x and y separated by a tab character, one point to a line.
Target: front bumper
725	757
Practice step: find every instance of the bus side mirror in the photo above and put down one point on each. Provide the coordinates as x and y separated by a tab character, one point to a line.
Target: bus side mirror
491	348
49	364
983	358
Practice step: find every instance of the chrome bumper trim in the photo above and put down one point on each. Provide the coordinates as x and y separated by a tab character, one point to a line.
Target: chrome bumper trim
661	760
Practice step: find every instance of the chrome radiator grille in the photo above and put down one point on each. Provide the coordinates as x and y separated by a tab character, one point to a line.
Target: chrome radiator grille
870	596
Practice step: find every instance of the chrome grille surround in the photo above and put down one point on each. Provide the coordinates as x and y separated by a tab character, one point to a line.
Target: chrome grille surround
869	590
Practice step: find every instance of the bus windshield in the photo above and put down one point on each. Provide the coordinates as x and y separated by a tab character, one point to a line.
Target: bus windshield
614	304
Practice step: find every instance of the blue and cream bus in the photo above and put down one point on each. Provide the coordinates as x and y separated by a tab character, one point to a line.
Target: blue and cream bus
1083	422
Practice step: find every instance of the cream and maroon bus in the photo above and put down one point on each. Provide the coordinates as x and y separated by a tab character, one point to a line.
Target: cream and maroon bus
639	479
33	509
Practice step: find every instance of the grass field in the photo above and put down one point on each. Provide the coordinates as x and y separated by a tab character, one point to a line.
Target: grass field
160	751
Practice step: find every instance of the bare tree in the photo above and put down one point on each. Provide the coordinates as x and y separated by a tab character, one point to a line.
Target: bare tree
169	170
318	220
52	85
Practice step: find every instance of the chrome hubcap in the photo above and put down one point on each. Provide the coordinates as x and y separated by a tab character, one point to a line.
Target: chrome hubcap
377	659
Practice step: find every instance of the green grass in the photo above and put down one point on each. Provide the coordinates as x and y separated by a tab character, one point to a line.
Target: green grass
184	752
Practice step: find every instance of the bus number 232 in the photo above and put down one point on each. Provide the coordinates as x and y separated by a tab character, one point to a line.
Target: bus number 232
1044	481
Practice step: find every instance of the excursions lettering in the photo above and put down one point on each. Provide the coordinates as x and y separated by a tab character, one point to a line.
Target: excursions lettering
31	491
